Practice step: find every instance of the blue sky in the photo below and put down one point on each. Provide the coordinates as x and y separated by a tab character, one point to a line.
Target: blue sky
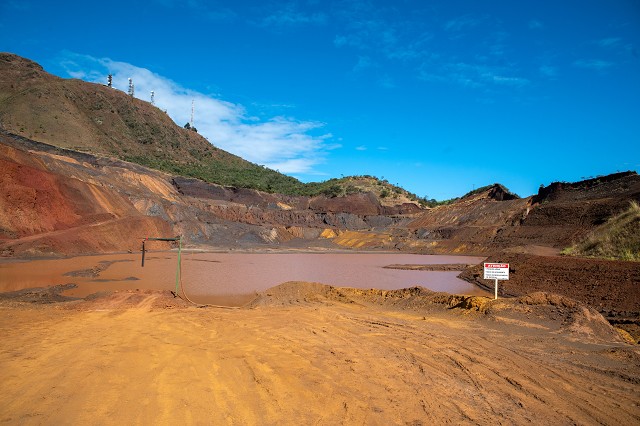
436	96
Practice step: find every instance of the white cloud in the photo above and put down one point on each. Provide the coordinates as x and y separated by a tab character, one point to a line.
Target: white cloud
548	71
610	42
296	165
512	81
473	75
464	22
289	15
386	82
200	9
370	31
534	24
364	62
593	64
20	6
281	143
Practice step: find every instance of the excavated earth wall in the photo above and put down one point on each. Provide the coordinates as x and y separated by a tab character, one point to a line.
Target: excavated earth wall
60	202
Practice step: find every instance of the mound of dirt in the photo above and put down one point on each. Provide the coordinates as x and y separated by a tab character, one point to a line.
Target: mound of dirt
539	310
555	313
611	287
299	293
306	293
412	298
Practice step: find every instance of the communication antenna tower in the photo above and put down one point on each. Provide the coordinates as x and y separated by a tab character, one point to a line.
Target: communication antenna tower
110	80
152	98
131	89
192	110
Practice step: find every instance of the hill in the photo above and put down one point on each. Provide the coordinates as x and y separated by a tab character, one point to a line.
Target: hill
88	117
93	118
560	215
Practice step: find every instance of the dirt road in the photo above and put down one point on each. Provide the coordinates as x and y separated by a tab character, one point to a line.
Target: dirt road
138	358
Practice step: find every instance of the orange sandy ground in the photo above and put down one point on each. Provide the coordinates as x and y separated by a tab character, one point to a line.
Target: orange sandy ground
139	360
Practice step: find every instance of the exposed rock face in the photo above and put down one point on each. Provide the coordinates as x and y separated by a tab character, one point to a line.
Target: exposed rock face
56	201
565	213
495	219
360	204
203	190
51	194
52	204
500	193
586	189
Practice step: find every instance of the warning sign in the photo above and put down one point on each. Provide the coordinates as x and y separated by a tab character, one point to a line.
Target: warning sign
496	271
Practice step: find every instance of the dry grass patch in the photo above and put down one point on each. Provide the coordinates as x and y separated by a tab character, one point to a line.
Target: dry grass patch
618	238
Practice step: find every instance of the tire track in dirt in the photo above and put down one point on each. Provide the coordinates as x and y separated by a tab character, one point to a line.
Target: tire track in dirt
130	362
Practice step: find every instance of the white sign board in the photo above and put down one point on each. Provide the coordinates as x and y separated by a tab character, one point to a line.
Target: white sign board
496	271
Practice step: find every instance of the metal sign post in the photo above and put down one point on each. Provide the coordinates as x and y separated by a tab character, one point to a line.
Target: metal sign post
178	239
496	271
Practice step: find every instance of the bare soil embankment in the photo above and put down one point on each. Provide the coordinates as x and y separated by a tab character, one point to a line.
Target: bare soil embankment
76	203
560	215
311	354
609	286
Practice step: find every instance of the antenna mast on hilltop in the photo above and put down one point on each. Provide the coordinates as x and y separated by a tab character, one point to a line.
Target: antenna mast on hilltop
109	80
131	89
192	110
152	98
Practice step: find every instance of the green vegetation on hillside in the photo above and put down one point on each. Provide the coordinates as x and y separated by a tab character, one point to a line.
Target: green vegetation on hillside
97	119
243	174
240	174
618	238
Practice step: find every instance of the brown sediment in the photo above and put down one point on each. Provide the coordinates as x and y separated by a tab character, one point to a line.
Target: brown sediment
434	267
96	270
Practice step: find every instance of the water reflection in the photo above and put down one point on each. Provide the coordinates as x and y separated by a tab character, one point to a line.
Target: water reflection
234	276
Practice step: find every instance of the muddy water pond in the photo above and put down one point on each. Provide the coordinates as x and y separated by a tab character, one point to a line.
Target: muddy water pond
234	278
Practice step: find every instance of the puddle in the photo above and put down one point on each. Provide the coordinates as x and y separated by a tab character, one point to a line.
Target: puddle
234	278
